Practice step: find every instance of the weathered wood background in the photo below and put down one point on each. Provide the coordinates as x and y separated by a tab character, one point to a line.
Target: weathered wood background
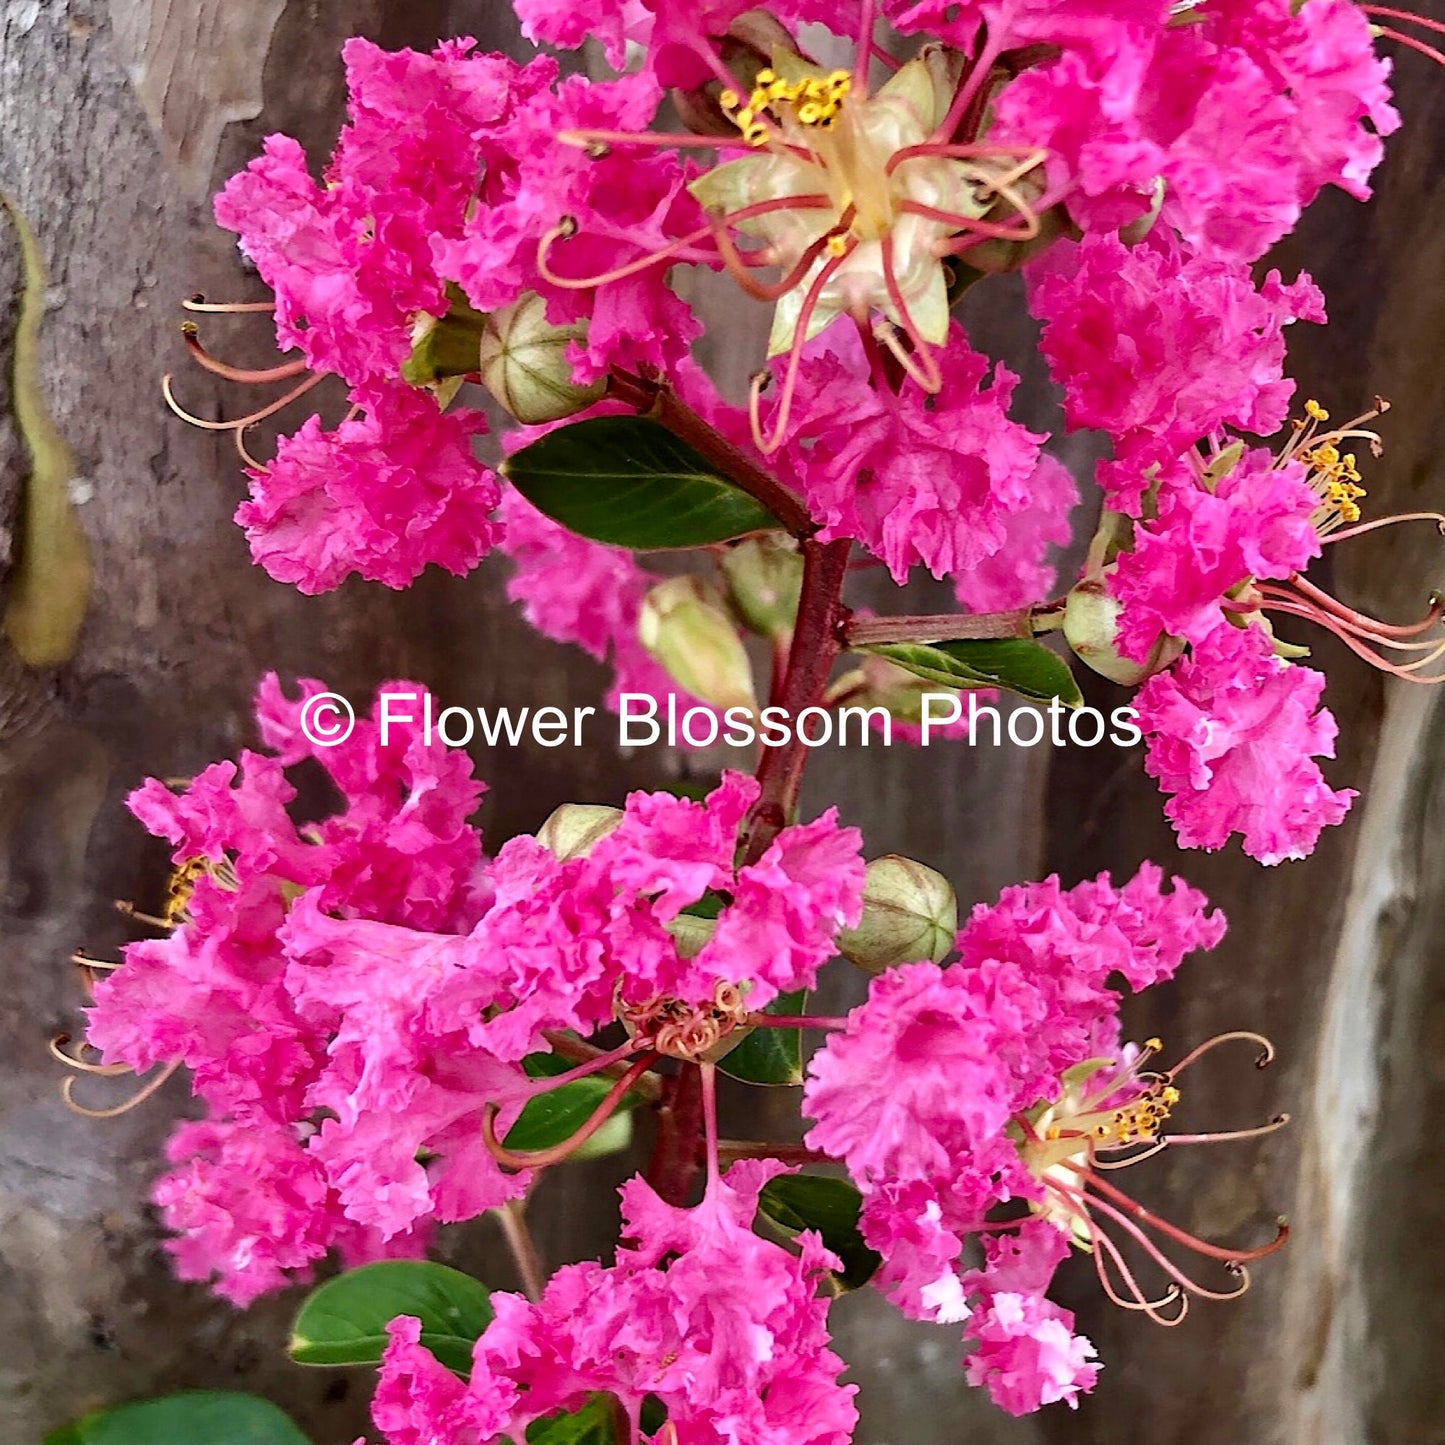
117	121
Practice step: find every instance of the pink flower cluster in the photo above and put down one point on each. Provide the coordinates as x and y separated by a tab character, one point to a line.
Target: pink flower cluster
352	994
724	1329
444	183
922	1093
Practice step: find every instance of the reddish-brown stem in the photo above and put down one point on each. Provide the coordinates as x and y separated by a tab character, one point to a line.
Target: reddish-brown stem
656	399
816	641
941	627
523	1248
677	1156
821	1022
731	1150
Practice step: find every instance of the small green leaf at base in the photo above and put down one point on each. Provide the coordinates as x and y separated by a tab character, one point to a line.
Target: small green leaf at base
627	481
795	1202
202	1417
770	1056
1016	664
343	1322
591	1425
558	1114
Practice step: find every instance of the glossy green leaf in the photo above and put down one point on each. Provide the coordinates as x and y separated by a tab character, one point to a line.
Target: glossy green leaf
628	481
203	1417
770	1056
1016	664
343	1322
796	1202
560	1113
593	1424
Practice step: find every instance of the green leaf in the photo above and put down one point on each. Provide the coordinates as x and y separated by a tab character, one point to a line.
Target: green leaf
628	481
344	1321
560	1113
591	1425
796	1202
770	1056
48	590
215	1417
1017	664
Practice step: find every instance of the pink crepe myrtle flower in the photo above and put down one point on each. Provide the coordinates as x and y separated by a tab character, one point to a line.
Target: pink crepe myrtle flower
1019	573
566	943
325	1080
1258	521
385	495
725	1329
1002	1078
608	210
1229	125
917	478
1233	734
250	1209
1026	1353
351	261
1159	348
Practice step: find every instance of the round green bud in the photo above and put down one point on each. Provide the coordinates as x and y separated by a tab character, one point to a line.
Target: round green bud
910	915
687	630
522	359
575	829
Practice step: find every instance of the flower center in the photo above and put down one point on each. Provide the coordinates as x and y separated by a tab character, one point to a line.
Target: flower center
684	1030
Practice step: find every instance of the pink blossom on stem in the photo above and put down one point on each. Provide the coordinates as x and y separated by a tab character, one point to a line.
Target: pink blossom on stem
1233	734
384	495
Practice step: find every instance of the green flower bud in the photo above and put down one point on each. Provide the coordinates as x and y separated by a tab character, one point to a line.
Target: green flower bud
445	349
691	934
1091	628
575	829
523	362
686	629
910	915
765	579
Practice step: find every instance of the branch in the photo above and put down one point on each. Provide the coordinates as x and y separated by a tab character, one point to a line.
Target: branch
816	641
942	627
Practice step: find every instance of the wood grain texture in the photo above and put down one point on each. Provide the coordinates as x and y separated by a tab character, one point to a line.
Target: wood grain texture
196	66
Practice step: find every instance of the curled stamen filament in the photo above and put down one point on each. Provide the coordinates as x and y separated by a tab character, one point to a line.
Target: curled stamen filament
1433	614
71	1061
1356	642
1172	1231
567	228
228	308
770	444
1427	50
1224	1136
548	1082
84	960
131	911
204	359
135	1101
1264	1059
1101	1246
540	1158
1157	1147
1086	1202
279	404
